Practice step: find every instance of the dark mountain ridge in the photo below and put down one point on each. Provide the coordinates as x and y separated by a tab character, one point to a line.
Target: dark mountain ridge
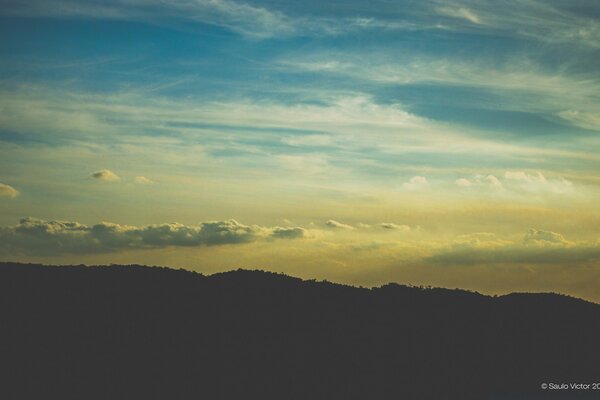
129	332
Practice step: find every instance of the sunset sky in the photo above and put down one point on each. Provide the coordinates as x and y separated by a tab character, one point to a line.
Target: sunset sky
448	143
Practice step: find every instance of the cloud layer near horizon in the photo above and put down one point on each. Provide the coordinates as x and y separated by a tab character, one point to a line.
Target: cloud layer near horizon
39	237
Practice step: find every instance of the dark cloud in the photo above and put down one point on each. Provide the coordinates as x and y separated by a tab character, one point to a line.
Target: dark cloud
289	233
39	237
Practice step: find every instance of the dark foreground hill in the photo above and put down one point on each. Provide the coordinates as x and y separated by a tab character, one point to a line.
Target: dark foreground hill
131	332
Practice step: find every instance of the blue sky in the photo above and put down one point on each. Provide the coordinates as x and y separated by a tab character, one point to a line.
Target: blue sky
448	118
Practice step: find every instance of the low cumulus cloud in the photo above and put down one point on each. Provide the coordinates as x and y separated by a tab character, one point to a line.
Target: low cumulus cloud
8	191
490	181
539	237
416	183
40	237
105	175
522	176
392	226
338	225
142	180
463	182
537	182
518	182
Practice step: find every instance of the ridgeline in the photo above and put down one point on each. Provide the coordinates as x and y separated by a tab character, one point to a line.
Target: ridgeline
134	332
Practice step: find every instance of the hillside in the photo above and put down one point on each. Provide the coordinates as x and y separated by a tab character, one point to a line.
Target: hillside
133	332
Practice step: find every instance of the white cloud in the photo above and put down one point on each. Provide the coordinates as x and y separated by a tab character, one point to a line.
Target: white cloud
309	164
583	119
338	225
522	176
537	183
345	118
479	181
143	180
309	140
493	181
460	12
105	175
8	191
463	182
416	183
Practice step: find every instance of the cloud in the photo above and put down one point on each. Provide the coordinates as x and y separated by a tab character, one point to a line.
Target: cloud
460	12
583	119
520	183
538	247
309	164
289	233
513	254
143	180
309	140
392	226
463	182
8	191
481	181
105	175
416	183
478	240
522	176
539	237
240	17
552	22
338	225
493	181
40	237
538	183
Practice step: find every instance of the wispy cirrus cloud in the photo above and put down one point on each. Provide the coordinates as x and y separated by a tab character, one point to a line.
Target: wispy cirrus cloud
460	12
240	17
531	19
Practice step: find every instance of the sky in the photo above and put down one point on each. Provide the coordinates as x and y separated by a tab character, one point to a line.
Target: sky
447	143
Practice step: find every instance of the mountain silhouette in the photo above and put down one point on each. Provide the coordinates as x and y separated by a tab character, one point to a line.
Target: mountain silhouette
136	332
